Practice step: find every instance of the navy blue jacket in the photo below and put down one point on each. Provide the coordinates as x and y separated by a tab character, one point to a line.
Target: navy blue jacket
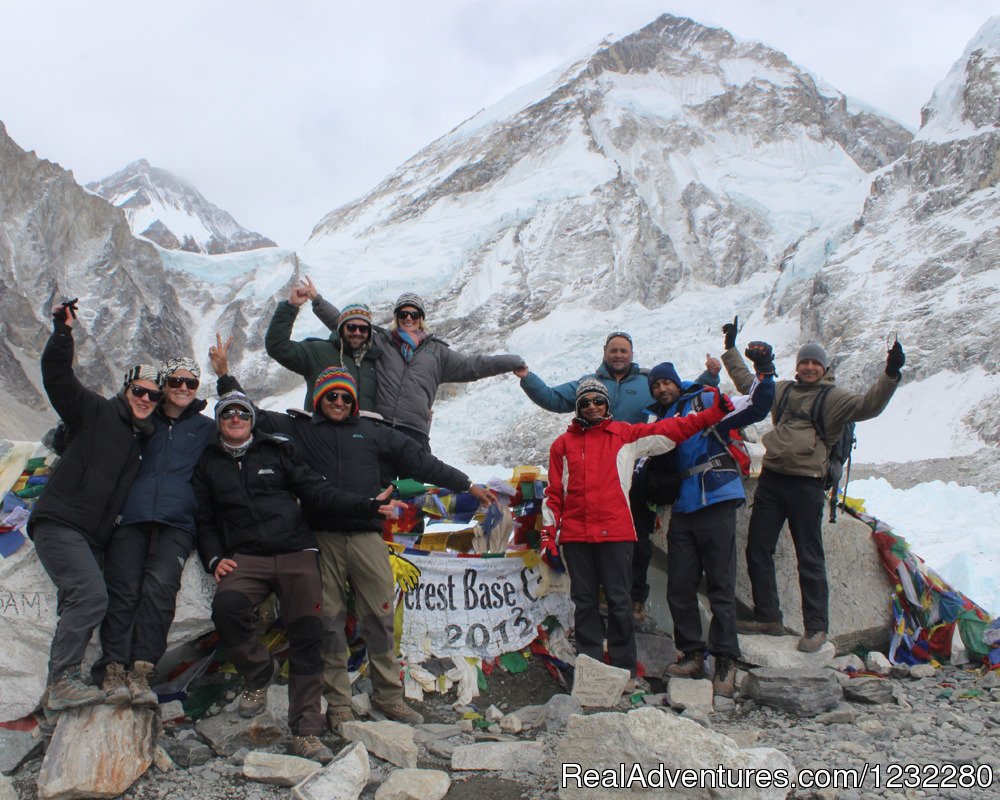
162	490
715	485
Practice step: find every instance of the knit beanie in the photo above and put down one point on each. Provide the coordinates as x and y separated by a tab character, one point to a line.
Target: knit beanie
591	386
814	352
169	367
141	372
235	399
335	378
409	299
357	312
664	372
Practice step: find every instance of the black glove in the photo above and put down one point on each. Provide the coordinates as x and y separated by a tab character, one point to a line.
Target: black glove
729	332
895	360
762	356
59	314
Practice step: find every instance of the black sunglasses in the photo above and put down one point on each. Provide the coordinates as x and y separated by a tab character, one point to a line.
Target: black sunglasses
586	402
229	413
409	314
154	395
352	327
329	397
177	383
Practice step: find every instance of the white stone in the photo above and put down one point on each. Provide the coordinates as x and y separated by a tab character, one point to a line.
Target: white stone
361	704
684	693
172	710
7	791
877	662
851	661
344	778
278	770
652	737
465	725
511	724
493	714
495	756
97	751
922	671
598	685
162	760
414	784
390	741
782	652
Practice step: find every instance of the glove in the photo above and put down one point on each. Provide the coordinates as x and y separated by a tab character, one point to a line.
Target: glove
59	314
729	332
894	361
550	549
722	402
762	356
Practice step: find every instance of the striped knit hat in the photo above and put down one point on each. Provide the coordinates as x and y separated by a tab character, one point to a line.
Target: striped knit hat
339	379
169	367
409	299
141	372
358	312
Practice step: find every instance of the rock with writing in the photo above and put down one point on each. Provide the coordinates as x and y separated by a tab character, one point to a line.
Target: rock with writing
391	741
596	684
97	751
344	778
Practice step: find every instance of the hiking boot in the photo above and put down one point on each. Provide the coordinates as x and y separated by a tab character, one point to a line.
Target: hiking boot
755	628
337	716
724	677
399	711
636	684
312	748
70	692
638	611
115	688
138	685
692	665
812	641
252	701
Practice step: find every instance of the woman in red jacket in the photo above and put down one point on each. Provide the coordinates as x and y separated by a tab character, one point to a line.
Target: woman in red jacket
586	511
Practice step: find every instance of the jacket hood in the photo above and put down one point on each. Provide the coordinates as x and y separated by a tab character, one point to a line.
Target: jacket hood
633	369
576	427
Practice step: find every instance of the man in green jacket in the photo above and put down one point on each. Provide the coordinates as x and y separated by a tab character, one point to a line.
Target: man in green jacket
350	346
791	485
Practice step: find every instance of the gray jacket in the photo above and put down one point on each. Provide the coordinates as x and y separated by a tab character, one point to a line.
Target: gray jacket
405	392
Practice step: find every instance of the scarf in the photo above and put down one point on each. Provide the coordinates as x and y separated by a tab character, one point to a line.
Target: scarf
358	356
407	343
237	451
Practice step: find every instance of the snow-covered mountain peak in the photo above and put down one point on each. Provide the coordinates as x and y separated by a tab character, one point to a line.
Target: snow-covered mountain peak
967	101
169	211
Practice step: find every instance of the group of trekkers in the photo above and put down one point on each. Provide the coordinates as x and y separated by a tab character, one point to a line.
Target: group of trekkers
293	503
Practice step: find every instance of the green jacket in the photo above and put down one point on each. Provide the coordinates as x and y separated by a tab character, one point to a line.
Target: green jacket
311	356
793	446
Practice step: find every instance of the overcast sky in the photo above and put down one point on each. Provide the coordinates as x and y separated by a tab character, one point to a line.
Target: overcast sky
280	111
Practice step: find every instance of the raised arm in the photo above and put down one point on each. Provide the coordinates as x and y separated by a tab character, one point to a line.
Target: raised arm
561	398
267	421
459	368
278	339
72	401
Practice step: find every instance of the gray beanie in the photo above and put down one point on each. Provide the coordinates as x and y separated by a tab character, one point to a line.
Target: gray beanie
410	299
814	352
592	386
235	399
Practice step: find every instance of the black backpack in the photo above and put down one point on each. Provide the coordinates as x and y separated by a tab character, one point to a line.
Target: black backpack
838	454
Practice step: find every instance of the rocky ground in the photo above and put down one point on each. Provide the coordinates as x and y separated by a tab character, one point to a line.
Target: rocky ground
948	716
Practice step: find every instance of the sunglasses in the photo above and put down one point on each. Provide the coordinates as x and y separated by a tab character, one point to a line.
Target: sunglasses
597	401
177	383
329	397
354	328
229	413
409	314
154	395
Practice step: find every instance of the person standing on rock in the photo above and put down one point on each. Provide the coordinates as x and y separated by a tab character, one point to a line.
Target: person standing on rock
701	537
586	511
792	478
358	455
73	520
350	345
412	364
254	540
155	535
627	387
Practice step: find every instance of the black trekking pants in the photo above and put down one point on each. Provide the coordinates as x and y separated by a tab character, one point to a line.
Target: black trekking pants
642	554
800	500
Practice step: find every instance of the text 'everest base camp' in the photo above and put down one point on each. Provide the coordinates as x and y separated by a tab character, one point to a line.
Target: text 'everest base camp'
607	564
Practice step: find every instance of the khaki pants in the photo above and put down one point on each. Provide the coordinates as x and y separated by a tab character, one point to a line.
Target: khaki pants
362	560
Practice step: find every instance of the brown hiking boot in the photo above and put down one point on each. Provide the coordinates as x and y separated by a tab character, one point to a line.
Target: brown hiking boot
312	748
337	716
70	692
692	665
399	711
812	641
138	684
638	611
115	688
724	677
755	628
252	701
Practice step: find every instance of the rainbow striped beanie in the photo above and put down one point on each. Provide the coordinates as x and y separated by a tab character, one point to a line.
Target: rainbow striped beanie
335	378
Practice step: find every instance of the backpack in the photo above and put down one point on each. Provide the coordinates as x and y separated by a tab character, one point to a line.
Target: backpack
58	439
838	454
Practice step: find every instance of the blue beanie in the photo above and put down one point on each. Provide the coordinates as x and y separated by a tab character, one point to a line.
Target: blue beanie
664	371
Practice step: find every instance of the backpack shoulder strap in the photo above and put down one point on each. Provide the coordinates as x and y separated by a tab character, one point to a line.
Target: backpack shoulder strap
816	411
782	406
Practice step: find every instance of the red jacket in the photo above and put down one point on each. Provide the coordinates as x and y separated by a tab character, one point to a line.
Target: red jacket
590	473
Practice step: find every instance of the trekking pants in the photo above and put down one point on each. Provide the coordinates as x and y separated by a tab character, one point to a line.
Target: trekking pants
361	560
645	523
799	500
74	566
294	577
142	567
590	567
703	541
